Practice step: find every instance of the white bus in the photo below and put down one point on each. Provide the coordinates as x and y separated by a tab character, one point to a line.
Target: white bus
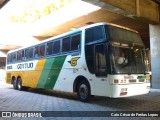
85	61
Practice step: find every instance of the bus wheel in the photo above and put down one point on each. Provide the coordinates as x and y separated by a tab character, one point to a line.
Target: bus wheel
83	91
19	84
15	84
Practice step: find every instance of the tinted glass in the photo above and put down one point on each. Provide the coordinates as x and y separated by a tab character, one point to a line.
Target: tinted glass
95	33
36	54
56	47
19	55
66	44
42	50
75	42
123	35
49	48
14	58
9	58
29	53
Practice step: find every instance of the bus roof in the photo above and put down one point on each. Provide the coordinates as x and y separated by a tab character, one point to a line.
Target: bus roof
75	31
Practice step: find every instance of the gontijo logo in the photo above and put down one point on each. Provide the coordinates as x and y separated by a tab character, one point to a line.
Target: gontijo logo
73	61
25	65
22	66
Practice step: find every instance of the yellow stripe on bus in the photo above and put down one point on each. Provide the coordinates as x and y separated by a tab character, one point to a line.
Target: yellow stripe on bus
35	75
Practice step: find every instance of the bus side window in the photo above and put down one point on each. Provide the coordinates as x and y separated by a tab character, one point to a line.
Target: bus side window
19	55
66	44
93	34
56	47
36	54
75	42
9	58
23	57
27	53
30	53
14	57
42	50
49	48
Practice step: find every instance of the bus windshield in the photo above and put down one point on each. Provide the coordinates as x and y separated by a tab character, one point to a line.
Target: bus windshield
127	60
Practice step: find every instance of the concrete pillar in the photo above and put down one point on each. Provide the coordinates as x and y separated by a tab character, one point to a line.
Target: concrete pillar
155	54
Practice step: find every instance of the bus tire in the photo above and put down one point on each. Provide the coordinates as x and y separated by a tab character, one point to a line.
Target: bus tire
14	82
83	91
19	84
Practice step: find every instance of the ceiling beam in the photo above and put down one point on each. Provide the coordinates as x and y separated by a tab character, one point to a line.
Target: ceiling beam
144	10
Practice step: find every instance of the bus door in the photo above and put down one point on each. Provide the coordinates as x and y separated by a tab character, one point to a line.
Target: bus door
100	65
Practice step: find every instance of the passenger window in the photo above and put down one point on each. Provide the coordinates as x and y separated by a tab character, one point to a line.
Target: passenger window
23	56
14	58
36	54
9	58
93	34
29	53
56	47
49	48
19	55
26	53
42	50
75	42
66	44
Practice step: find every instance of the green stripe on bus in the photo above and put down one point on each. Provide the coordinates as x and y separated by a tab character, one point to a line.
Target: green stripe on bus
45	72
50	72
54	73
